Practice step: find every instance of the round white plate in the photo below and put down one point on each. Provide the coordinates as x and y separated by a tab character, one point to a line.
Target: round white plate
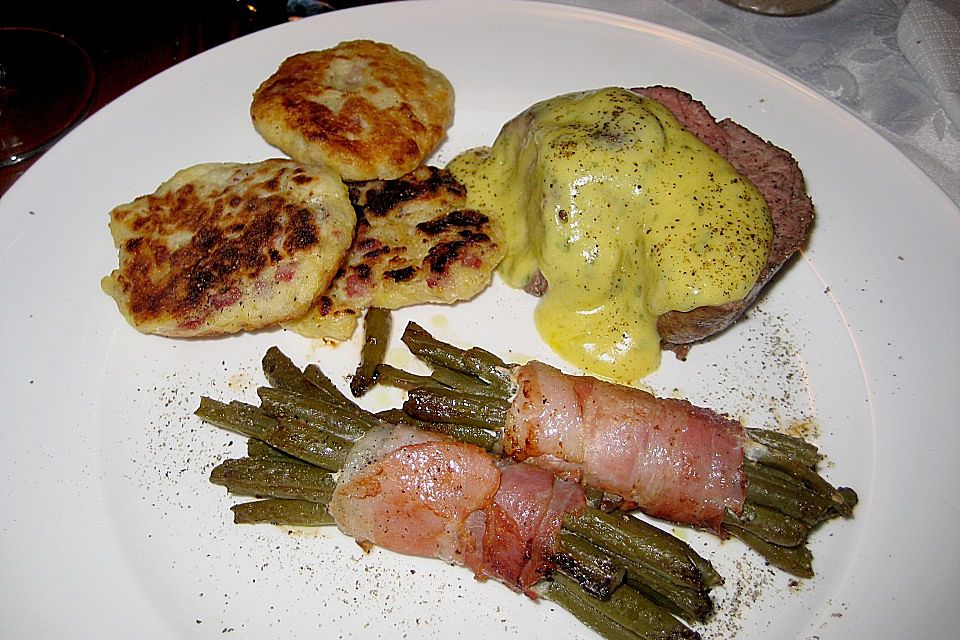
109	528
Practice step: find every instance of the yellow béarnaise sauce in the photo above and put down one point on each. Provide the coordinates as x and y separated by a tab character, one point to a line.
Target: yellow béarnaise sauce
625	213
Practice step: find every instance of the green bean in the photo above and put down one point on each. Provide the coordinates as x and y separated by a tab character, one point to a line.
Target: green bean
691	604
280	511
464	382
491	359
804	475
439	405
394	377
308	443
627	615
293	437
328	390
426	347
347	423
376	332
275	478
592	568
709	576
849	497
584	608
259	449
768	488
769	525
795	448
794	560
476	362
282	373
644	544
237	416
477	436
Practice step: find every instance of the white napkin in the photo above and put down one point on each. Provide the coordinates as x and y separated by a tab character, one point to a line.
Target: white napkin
929	36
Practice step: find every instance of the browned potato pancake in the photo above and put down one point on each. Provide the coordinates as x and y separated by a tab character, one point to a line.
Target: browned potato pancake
415	243
226	247
364	108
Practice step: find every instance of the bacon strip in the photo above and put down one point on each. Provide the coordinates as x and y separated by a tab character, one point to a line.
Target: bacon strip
670	458
515	538
422	494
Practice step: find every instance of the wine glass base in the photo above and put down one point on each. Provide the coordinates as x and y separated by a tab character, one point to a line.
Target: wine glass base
47	85
781	7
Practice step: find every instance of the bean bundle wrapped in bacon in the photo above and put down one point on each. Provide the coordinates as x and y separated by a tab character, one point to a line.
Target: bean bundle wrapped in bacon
670	458
522	474
314	458
664	456
419	493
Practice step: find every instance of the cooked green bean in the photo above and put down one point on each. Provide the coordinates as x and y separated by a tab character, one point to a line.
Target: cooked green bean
491	359
282	373
849	496
346	422
281	511
803	474
476	362
394	377
795	448
795	560
329	390
275	478
463	382
584	608
308	443
691	604
592	568
626	615
423	345
768	488
441	378
644	544
376	332
293	437
440	405
478	436
257	448
305	425
768	524
237	417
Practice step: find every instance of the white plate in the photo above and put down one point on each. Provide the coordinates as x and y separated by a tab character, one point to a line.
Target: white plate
110	529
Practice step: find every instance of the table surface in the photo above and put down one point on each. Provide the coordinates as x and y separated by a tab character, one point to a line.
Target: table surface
847	52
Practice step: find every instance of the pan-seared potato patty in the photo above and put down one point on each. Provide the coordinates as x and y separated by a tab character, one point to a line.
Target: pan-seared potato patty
364	108
221	248
416	243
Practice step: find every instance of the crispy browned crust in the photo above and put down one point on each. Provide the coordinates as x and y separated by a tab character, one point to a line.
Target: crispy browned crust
415	243
225	247
365	108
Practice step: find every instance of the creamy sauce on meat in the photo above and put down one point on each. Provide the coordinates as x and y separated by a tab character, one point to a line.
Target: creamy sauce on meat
627	215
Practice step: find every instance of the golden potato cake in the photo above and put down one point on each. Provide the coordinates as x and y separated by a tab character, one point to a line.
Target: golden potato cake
226	247
415	243
364	108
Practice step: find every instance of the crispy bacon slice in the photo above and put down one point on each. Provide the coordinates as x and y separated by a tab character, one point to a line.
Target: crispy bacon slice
668	457
423	494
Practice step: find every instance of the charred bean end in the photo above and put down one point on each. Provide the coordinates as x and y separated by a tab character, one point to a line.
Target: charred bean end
376	329
595	570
